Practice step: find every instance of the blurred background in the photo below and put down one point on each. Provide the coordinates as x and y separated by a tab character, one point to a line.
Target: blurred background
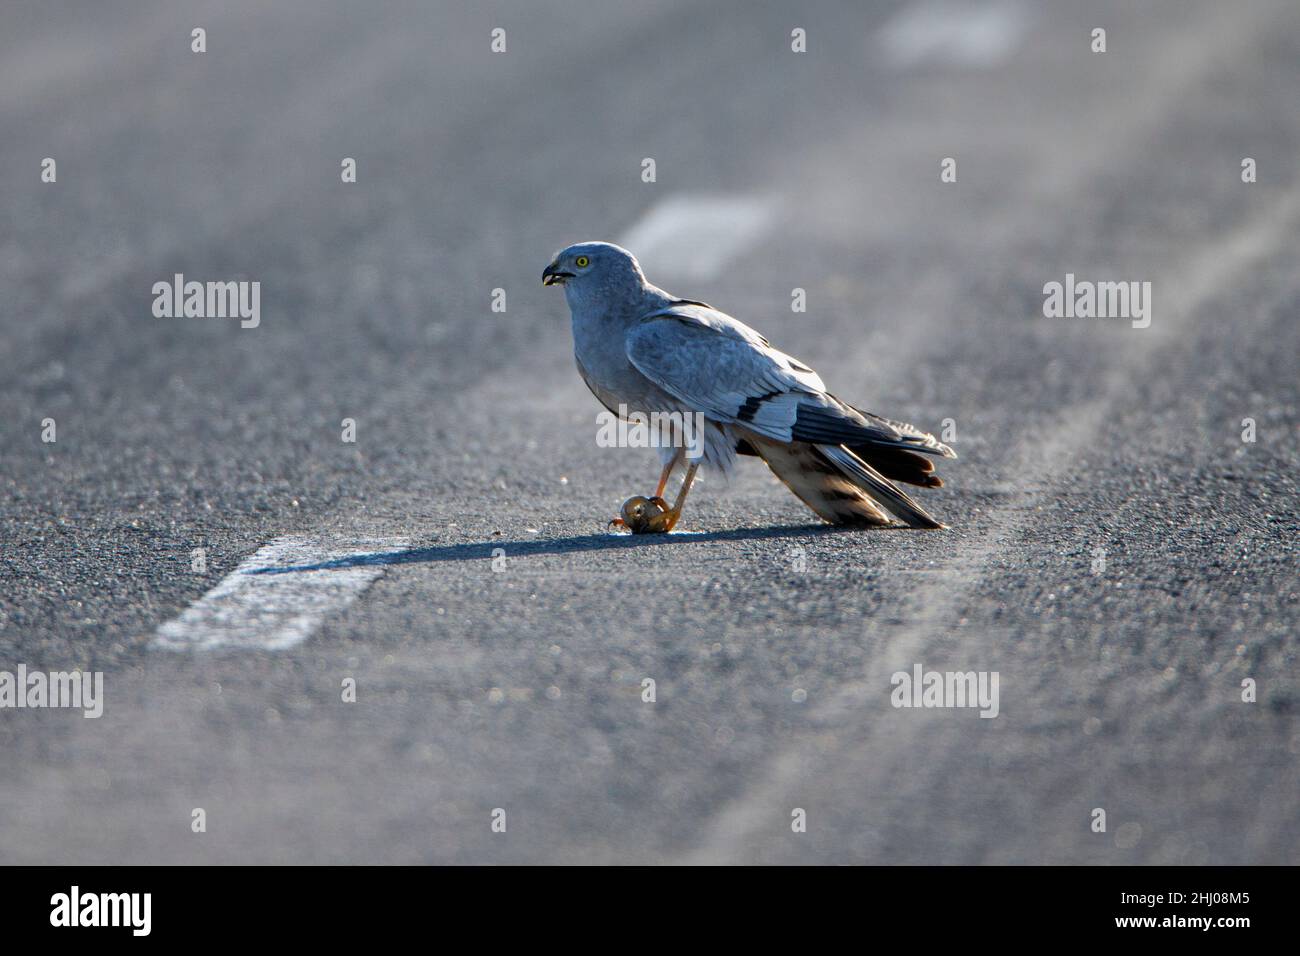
775	170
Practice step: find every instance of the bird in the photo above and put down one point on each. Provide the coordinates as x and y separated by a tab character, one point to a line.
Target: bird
643	351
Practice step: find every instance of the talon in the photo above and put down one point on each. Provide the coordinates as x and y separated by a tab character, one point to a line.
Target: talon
669	519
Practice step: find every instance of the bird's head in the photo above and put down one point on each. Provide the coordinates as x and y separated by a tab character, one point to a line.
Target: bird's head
594	270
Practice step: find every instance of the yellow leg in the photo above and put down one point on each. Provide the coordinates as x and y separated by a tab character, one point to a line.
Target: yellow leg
667	472
668	519
652	515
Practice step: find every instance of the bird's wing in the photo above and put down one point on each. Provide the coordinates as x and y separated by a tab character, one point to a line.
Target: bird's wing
701	313
721	367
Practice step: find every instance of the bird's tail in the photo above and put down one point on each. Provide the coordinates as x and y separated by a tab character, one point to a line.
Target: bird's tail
838	485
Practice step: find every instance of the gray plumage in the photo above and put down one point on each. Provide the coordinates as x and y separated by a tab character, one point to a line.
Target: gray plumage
641	348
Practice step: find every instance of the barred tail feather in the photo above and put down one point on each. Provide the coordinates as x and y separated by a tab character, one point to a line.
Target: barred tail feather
838	485
880	488
819	484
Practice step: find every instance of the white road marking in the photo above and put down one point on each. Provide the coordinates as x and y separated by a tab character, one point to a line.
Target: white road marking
275	599
694	236
952	33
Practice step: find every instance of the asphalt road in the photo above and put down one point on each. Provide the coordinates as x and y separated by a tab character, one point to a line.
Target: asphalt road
521	688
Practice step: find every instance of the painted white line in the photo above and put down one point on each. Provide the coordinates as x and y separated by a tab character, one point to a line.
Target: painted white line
279	596
957	33
694	236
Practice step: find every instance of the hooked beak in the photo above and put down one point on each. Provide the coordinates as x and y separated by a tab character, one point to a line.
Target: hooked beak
553	276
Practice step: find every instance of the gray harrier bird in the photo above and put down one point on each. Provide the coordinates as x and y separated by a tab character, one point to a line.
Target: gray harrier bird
643	351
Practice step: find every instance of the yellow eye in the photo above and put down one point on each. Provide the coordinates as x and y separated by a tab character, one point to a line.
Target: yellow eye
581	262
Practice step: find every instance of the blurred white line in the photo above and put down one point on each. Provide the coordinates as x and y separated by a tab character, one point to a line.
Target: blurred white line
693	237
929	611
953	33
279	596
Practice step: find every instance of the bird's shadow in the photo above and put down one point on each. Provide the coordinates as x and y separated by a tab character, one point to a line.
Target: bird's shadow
575	544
